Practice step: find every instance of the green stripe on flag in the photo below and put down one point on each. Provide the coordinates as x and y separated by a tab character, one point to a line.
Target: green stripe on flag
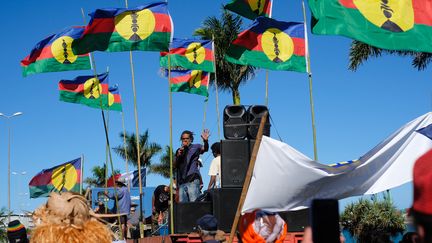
182	61
52	65
184	87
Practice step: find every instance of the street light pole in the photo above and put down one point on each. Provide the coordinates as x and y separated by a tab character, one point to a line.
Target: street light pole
9	165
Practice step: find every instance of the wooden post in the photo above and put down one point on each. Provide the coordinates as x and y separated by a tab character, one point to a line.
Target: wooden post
248	176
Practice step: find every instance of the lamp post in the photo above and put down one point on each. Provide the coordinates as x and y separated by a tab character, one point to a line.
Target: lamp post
9	144
21	195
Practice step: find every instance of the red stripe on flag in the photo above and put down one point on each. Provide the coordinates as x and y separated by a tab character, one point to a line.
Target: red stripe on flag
347	3
100	25
163	22
180	79
299	46
422	12
111	180
79	88
117	98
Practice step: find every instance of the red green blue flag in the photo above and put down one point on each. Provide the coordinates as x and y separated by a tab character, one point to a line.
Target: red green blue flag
61	178
87	90
270	44
190	81
387	24
145	28
190	54
54	54
250	9
114	99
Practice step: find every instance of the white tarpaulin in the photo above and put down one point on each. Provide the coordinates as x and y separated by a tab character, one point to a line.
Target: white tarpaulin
285	179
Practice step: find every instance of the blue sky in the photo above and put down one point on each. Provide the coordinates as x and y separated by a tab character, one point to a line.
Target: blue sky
354	111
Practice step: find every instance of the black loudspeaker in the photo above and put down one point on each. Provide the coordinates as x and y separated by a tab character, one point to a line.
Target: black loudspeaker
186	214
296	220
255	113
235	156
235	122
225	202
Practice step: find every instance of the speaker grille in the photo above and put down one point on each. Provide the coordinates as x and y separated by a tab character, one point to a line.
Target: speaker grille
235	122
235	156
255	113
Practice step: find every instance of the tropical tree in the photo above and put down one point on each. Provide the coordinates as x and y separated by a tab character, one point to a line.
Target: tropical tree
224	30
3	225
372	221
163	168
147	149
361	52
98	176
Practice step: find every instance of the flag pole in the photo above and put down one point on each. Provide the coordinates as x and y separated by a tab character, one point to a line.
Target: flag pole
205	112
137	130
82	173
216	87
106	132
309	72
170	147
248	176
125	150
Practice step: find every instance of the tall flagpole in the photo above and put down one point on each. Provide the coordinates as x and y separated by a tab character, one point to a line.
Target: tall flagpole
82	173
308	70
106	132
170	146
125	150
266	88
216	87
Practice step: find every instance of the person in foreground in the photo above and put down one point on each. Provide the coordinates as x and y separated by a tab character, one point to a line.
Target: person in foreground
124	203
67	218
261	227
422	203
207	227
187	165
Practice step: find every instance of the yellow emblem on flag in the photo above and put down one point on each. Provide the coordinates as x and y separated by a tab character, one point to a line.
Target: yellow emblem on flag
277	45
92	88
64	177
391	15
195	53
257	6
195	79
61	50
110	99
135	25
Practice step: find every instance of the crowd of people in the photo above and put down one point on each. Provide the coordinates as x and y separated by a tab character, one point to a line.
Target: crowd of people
67	216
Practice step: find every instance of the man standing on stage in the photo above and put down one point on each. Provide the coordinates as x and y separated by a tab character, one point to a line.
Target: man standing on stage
186	164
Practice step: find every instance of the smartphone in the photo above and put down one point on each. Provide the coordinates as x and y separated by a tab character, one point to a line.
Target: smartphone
325	221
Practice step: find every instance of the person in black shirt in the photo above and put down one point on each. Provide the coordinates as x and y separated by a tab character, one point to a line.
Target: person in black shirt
160	199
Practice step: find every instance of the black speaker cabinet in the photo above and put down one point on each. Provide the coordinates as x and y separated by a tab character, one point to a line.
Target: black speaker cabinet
255	113
235	122
296	220
235	155
186	214
225	202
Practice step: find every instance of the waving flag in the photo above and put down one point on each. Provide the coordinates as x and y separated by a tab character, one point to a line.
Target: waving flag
386	166
114	99
189	54
64	177
131	178
270	44
54	54
145	28
250	9
390	24
190	81
86	90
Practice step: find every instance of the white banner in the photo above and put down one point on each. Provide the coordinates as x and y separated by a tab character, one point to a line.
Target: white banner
285	179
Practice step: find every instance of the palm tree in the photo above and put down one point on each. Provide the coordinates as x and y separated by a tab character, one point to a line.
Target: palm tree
147	149
224	30
360	52
3	225
163	168
372	221
98	178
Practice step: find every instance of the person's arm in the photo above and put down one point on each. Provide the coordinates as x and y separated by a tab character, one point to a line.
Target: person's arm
205	136
178	157
212	182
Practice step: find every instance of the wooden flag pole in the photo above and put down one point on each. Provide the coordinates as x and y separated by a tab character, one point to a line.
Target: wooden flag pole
216	87
308	68
205	113
125	150
106	132
248	176
170	147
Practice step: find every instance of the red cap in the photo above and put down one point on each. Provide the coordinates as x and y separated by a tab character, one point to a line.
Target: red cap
422	180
